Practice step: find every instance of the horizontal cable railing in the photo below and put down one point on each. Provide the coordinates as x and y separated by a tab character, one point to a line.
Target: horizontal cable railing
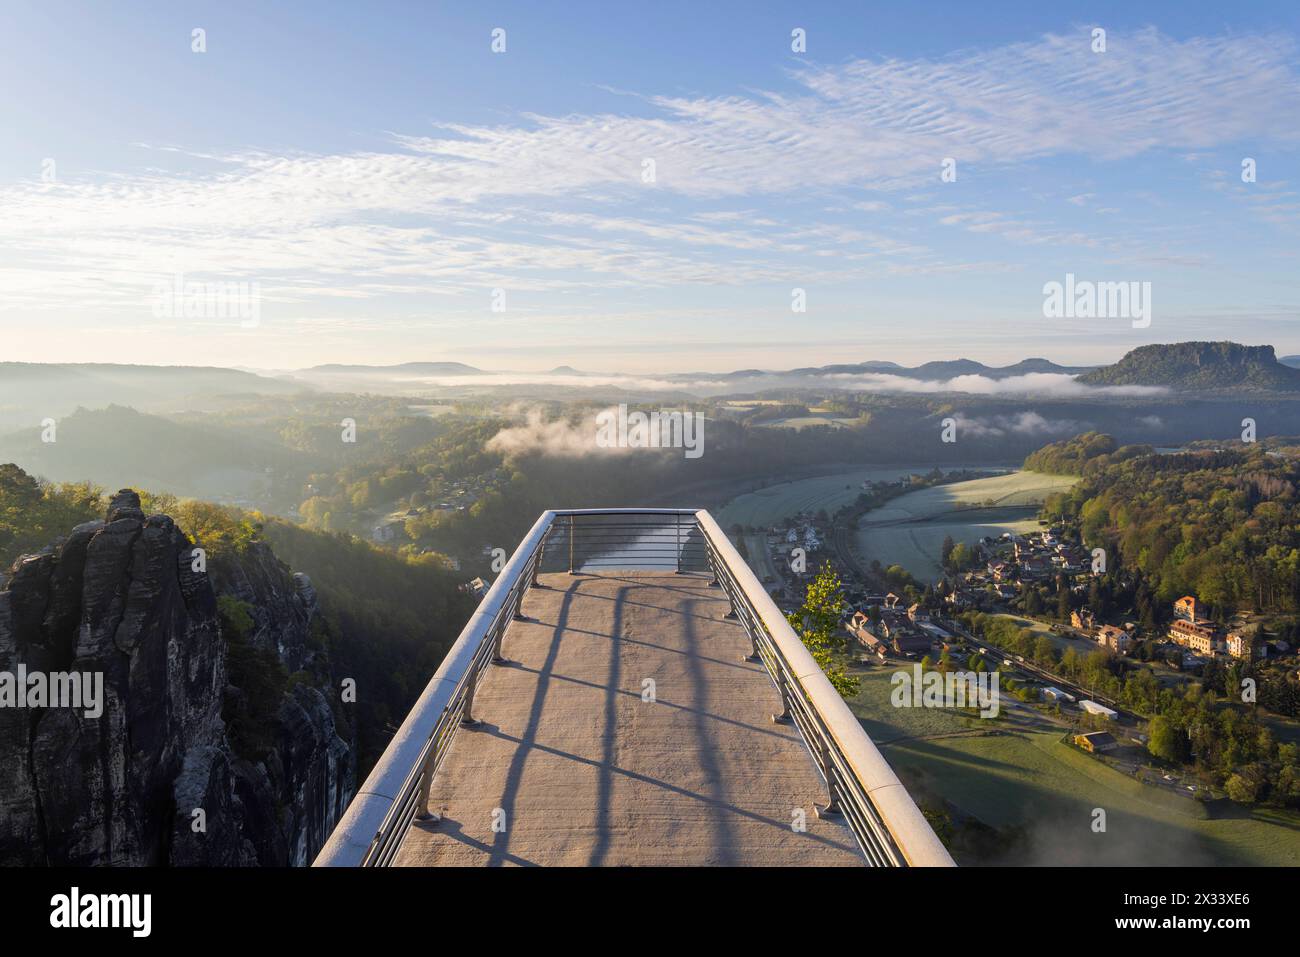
591	541
860	785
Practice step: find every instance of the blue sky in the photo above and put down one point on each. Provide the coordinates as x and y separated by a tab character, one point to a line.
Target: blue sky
372	173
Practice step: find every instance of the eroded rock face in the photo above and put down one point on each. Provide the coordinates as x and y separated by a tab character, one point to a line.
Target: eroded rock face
154	779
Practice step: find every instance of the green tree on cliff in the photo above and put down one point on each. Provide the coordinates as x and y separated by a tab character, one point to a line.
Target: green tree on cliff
817	623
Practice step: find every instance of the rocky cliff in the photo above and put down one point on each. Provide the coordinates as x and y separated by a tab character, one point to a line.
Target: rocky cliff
159	777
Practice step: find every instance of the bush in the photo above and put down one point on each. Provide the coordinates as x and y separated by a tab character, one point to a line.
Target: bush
256	682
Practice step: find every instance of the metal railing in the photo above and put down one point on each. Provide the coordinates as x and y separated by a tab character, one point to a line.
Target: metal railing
860	785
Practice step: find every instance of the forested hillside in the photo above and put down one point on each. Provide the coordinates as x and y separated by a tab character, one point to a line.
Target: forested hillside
1222	525
1200	366
1082	454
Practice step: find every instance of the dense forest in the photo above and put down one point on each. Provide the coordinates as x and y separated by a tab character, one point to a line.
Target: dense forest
391	619
1082	454
1222	525
34	513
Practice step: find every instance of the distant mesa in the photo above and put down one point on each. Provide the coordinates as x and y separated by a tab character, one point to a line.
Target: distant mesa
1200	367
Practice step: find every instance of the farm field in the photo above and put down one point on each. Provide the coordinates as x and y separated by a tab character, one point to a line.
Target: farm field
771	505
807	421
1026	778
910	530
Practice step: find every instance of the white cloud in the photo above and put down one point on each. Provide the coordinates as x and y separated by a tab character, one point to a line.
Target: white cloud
1043	385
458	212
1036	383
1022	423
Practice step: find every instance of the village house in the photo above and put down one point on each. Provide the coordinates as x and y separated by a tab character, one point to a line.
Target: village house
911	643
1036	567
1199	636
859	627
1191	629
1242	645
1083	619
1186	608
904	637
1115	639
962	598
1098	742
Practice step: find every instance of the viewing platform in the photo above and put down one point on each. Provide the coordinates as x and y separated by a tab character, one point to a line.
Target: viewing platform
628	695
587	768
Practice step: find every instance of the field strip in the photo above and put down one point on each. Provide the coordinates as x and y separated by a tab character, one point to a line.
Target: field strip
1157	801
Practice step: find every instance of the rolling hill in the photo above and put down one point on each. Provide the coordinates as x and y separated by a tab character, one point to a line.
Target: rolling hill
31	391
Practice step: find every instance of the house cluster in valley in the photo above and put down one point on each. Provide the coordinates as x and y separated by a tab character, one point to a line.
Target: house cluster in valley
1013	559
907	631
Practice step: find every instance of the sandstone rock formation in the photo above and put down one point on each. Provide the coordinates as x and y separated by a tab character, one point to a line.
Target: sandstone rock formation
132	787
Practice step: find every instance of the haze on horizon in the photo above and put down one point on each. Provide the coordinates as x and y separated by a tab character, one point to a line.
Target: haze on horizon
626	217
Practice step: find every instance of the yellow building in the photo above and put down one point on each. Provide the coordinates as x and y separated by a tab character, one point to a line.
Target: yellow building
1199	636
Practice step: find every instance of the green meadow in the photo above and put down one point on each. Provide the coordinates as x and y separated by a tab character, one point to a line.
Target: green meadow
1014	774
910	529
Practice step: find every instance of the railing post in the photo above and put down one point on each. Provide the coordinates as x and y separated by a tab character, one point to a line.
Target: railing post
571	521
497	639
751	626
426	781
519	608
784	717
731	597
677	519
832	808
467	719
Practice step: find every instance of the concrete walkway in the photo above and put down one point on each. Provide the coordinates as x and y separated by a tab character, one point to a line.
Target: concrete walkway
570	766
